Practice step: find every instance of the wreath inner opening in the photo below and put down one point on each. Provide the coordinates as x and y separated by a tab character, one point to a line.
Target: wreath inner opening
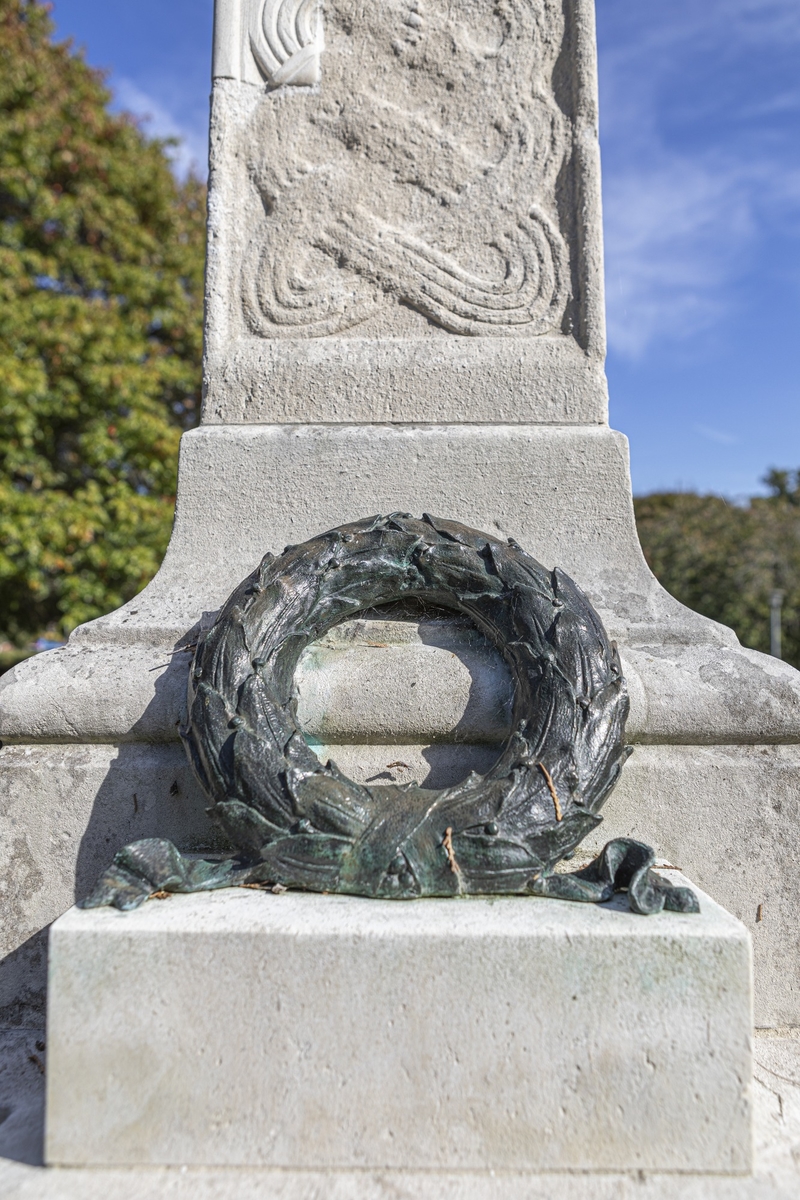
405	692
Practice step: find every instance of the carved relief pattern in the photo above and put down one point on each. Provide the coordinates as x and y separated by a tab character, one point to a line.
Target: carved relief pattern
288	41
422	170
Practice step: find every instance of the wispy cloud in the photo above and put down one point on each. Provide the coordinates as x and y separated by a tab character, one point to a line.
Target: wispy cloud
191	152
751	23
690	194
716	435
673	232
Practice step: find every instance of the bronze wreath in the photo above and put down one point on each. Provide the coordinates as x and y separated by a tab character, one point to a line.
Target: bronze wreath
299	823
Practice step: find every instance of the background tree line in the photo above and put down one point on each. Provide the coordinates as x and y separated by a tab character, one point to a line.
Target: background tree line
725	560
101	286
101	272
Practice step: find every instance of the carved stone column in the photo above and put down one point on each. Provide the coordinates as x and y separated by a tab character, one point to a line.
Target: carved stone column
404	312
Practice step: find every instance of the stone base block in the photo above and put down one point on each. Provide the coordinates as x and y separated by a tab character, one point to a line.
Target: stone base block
324	1032
64	812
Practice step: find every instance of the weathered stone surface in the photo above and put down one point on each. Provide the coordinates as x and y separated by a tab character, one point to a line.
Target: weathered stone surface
560	487
727	815
435	680
22	1068
409	172
563	493
543	380
295	168
776	1170
685	800
487	1034
64	811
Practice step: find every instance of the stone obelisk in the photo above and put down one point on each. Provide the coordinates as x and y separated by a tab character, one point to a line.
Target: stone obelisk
404	312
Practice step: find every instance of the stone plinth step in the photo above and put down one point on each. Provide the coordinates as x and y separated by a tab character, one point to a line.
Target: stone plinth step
320	1032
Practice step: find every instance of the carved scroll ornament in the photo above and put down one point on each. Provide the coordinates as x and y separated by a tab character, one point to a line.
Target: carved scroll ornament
288	41
298	823
423	171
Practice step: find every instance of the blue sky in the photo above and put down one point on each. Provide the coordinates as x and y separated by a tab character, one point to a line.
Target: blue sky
700	133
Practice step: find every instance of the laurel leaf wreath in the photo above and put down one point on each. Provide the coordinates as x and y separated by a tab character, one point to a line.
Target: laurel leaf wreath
315	828
296	822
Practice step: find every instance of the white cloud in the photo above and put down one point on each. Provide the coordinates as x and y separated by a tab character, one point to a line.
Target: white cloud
645	29
685	215
674	230
191	154
716	435
762	20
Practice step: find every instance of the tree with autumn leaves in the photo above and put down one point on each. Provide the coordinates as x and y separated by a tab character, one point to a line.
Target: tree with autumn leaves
101	286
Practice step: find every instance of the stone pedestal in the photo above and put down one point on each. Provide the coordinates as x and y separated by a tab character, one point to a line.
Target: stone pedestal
330	1032
404	311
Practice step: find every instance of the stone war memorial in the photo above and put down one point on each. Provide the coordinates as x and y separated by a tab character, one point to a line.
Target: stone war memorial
403	836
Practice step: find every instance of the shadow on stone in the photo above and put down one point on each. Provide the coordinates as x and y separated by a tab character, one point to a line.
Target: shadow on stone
23	984
491	697
22	1092
149	790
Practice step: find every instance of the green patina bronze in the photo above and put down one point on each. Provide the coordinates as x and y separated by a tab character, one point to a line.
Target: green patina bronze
298	823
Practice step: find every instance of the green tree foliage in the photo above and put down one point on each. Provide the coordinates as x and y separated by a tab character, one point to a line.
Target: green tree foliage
725	560
101	265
